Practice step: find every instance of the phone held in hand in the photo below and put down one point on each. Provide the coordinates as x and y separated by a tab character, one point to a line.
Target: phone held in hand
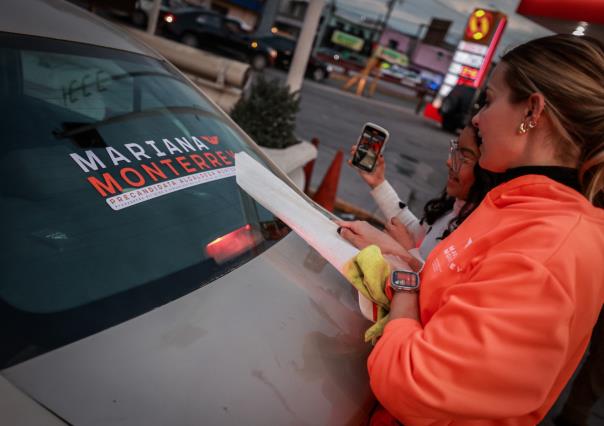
369	147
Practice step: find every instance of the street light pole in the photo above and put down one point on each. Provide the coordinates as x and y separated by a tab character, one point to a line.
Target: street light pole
304	46
152	22
267	19
391	4
415	42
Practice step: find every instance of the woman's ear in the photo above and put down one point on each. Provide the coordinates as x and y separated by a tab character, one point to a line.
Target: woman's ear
536	106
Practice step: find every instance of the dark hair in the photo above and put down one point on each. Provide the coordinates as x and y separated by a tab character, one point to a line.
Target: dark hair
440	206
567	70
437	208
484	181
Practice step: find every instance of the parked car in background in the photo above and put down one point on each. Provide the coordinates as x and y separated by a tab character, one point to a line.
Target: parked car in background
285	47
398	74
140	16
346	62
216	33
456	106
140	285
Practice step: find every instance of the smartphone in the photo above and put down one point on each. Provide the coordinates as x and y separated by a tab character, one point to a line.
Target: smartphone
370	146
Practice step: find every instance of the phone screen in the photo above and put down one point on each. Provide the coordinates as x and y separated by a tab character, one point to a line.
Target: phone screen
368	148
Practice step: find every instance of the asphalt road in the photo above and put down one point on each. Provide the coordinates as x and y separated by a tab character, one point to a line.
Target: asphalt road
415	155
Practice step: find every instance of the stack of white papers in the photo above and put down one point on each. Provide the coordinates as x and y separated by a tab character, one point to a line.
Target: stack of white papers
305	220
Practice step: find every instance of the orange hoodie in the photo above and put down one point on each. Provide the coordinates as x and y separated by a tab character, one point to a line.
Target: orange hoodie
507	305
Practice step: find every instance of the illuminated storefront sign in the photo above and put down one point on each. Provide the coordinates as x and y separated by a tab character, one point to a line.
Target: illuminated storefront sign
347	40
468	72
479	25
392	56
474	53
465	58
469	47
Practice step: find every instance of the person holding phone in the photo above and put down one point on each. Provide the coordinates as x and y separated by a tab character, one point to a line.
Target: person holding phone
504	307
466	185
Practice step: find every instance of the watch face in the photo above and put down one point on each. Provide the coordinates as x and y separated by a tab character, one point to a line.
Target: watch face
405	280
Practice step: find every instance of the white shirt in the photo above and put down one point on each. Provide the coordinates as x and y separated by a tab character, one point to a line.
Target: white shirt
388	201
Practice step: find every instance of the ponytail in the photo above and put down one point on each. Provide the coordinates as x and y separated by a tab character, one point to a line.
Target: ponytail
591	176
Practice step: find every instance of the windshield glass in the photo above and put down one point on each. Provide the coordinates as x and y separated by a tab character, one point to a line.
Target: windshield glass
117	192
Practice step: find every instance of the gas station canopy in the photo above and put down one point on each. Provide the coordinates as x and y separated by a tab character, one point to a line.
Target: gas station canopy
581	17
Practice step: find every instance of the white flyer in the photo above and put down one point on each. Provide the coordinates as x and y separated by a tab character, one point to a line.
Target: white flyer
305	220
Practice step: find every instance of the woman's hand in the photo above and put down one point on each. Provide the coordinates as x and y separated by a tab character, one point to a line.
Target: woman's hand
400	233
375	178
361	234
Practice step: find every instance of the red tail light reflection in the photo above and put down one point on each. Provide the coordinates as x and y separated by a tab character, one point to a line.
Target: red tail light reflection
233	244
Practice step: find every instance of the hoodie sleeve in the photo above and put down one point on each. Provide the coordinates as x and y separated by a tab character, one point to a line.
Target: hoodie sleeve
492	350
388	201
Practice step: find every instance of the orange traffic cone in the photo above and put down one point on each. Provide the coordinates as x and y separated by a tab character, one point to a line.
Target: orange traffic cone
326	193
308	168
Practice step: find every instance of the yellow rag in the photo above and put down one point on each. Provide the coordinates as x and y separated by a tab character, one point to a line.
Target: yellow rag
368	272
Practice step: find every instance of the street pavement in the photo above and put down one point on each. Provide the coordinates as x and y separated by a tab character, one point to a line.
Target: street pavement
415	155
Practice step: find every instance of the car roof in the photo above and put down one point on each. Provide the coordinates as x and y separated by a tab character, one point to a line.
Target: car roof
58	19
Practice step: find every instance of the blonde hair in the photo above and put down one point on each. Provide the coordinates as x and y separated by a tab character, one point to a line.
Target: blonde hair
568	71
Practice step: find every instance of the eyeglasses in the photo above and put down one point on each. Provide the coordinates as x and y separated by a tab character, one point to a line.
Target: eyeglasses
458	159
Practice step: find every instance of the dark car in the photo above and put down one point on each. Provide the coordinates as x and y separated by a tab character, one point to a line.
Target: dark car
456	106
344	62
400	75
216	33
285	47
143	9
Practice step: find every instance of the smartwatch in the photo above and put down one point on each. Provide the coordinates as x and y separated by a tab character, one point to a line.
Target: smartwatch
401	280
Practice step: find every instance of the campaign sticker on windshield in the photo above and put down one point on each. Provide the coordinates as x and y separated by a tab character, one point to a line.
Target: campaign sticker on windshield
138	172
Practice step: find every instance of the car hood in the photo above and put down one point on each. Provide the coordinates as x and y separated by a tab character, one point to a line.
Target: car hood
277	341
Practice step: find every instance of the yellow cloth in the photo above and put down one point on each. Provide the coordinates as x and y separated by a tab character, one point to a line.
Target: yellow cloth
368	272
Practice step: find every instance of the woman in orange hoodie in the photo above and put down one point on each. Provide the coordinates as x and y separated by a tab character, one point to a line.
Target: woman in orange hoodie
508	301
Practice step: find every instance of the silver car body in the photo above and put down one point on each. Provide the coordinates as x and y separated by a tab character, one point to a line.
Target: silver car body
278	340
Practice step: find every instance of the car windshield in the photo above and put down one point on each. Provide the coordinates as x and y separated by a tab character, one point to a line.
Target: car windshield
117	192
234	26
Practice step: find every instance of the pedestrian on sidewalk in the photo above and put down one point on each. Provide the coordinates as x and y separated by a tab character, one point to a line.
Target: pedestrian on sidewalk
421	91
508	301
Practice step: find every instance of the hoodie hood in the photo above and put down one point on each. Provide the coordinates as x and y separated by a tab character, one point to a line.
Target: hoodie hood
536	192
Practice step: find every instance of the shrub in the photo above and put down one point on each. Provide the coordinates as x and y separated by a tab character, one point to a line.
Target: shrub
268	113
